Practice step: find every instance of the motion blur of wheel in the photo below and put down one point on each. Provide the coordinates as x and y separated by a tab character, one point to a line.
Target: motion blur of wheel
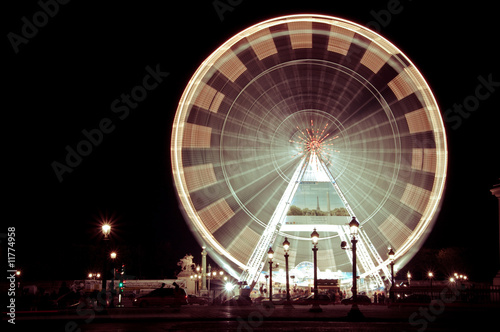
317	87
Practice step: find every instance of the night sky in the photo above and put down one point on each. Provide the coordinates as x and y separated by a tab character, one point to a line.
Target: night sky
67	77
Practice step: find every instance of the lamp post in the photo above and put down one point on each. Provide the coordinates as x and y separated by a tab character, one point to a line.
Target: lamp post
106	230
408	275
431	275
270	254
354	313
315	238
112	285
209	279
265	286
391	258
204	271
18	280
353	227
286	246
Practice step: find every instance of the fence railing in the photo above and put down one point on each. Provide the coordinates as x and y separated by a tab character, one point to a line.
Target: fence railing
458	293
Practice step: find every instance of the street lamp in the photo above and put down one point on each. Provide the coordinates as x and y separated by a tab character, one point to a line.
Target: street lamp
112	255
353	227
391	258
286	246
270	255
18	278
354	313
430	275
209	274
315	238
106	230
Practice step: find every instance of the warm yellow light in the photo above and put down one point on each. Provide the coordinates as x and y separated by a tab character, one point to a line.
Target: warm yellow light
286	245
354	226
314	236
113	255
106	230
391	255
270	253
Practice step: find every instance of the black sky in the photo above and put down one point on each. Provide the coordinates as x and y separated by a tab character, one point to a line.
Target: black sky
65	78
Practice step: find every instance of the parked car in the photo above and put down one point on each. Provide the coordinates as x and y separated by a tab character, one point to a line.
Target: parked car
162	297
361	299
201	300
258	300
322	300
238	300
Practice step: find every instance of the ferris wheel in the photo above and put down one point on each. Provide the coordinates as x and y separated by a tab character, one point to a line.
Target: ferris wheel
303	122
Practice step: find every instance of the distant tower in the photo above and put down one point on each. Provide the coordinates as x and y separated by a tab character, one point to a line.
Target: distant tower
328	202
317	199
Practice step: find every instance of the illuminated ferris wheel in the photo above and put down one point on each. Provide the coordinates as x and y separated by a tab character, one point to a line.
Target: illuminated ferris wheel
303	122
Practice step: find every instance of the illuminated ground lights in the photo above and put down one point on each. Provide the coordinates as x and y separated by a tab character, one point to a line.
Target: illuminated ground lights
304	90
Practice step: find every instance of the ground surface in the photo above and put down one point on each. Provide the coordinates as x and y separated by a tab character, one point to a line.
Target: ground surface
257	318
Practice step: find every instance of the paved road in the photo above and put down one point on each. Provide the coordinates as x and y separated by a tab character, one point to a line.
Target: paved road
258	318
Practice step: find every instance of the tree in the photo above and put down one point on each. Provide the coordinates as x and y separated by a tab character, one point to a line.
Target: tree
295	211
340	212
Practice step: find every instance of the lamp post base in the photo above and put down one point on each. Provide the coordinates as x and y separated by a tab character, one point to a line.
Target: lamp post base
315	308
355	314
